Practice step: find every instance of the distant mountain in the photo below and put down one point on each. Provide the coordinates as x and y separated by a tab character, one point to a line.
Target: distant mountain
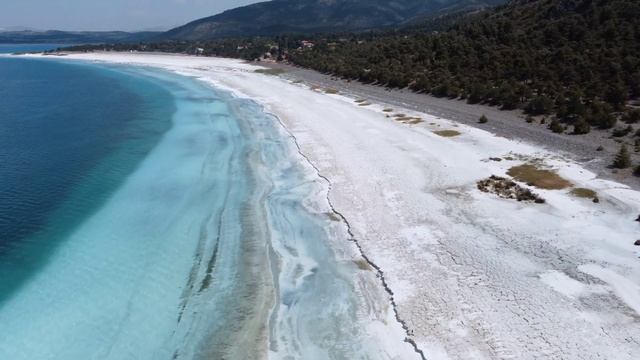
72	37
307	16
15	28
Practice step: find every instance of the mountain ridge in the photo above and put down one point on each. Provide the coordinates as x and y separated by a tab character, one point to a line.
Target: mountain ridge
312	16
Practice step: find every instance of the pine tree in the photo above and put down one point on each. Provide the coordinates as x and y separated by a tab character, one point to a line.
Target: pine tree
623	159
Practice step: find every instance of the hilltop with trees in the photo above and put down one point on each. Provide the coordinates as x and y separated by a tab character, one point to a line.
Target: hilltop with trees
576	59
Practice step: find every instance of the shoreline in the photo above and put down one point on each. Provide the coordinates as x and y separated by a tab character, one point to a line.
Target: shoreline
470	272
379	272
381	335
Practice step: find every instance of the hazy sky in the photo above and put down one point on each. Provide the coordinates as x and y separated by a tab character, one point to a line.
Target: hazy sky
109	14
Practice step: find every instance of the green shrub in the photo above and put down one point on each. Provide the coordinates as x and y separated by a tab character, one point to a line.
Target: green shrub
556	126
483	119
622	159
621	132
581	127
632	117
540	105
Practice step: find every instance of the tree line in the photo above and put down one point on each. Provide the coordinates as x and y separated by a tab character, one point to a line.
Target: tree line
577	61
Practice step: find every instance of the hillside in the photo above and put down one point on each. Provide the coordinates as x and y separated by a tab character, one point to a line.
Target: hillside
72	37
573	64
577	59
308	16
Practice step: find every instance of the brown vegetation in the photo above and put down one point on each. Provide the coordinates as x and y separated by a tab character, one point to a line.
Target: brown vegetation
447	133
540	178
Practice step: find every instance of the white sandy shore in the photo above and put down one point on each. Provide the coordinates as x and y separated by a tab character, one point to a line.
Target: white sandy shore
474	276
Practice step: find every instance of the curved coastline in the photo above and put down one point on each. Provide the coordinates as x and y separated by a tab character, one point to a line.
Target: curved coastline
220	245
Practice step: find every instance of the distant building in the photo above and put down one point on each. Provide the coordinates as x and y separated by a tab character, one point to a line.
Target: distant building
199	51
306	44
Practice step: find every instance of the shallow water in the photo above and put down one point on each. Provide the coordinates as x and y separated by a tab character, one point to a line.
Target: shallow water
220	243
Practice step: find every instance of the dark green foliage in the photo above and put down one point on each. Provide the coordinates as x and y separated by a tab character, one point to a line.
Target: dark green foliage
600	115
636	171
632	117
616	95
529	54
622	159
483	119
540	105
581	127
556	127
621	132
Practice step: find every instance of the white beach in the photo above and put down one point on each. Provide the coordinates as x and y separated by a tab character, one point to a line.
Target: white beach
474	276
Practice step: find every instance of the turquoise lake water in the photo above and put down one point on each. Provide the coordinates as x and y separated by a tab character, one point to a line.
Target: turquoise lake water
146	215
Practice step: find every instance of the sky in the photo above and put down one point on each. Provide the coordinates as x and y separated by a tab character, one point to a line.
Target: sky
103	15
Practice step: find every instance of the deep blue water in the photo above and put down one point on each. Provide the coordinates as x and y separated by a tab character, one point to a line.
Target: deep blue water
69	135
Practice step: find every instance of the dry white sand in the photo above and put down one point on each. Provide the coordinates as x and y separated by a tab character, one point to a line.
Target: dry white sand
474	276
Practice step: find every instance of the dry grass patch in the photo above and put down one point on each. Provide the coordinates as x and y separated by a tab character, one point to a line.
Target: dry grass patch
540	178
447	133
331	91
274	72
360	101
409	120
585	194
388	110
364	104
